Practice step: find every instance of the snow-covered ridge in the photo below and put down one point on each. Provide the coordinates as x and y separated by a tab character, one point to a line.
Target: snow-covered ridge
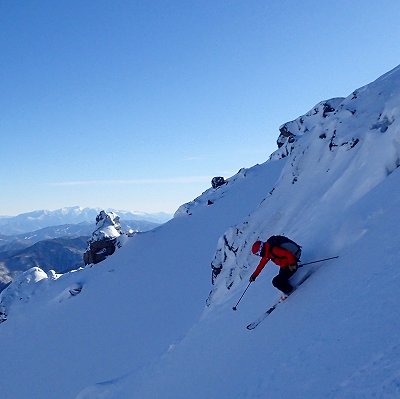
337	153
313	119
210	196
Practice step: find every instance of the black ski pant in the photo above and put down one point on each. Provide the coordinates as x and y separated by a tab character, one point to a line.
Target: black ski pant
281	281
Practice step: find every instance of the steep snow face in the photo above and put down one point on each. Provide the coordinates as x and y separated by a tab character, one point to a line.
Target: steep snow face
334	162
335	338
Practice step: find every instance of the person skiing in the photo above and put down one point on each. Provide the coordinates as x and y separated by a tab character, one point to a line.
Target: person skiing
285	253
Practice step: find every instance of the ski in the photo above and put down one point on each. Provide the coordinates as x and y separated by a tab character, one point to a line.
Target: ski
256	322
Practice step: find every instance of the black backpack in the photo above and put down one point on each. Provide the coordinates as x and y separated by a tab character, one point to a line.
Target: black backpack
285	243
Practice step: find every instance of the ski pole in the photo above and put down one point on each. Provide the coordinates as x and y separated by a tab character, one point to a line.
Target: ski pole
235	307
316	261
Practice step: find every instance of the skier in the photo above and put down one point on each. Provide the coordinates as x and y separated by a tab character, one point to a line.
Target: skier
283	252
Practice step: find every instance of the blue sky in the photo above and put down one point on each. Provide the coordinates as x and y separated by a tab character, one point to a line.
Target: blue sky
136	105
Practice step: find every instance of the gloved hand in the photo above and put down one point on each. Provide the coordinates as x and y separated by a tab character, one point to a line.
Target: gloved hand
252	278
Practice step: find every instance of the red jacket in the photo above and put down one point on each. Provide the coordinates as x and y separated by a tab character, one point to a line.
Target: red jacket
280	256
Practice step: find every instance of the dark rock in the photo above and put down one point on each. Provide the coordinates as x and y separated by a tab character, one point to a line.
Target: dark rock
217	181
104	238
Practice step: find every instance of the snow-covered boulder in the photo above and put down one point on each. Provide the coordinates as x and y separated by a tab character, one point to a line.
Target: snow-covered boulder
22	289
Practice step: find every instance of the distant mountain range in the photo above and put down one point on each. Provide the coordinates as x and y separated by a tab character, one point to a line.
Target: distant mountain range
58	238
35	220
24	240
59	254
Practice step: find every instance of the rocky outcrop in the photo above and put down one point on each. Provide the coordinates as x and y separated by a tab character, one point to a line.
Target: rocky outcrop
291	131
104	239
217	182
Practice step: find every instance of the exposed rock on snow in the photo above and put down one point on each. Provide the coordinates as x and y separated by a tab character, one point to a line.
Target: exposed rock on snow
291	131
211	195
217	182
104	239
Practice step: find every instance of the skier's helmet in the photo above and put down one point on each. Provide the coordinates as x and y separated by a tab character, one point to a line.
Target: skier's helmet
257	248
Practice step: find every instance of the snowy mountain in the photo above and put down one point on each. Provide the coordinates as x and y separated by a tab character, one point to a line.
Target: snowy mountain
8	242
31	221
60	254
137	325
60	248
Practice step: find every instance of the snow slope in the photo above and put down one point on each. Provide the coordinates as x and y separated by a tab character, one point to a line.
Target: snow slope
131	307
336	337
136	326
